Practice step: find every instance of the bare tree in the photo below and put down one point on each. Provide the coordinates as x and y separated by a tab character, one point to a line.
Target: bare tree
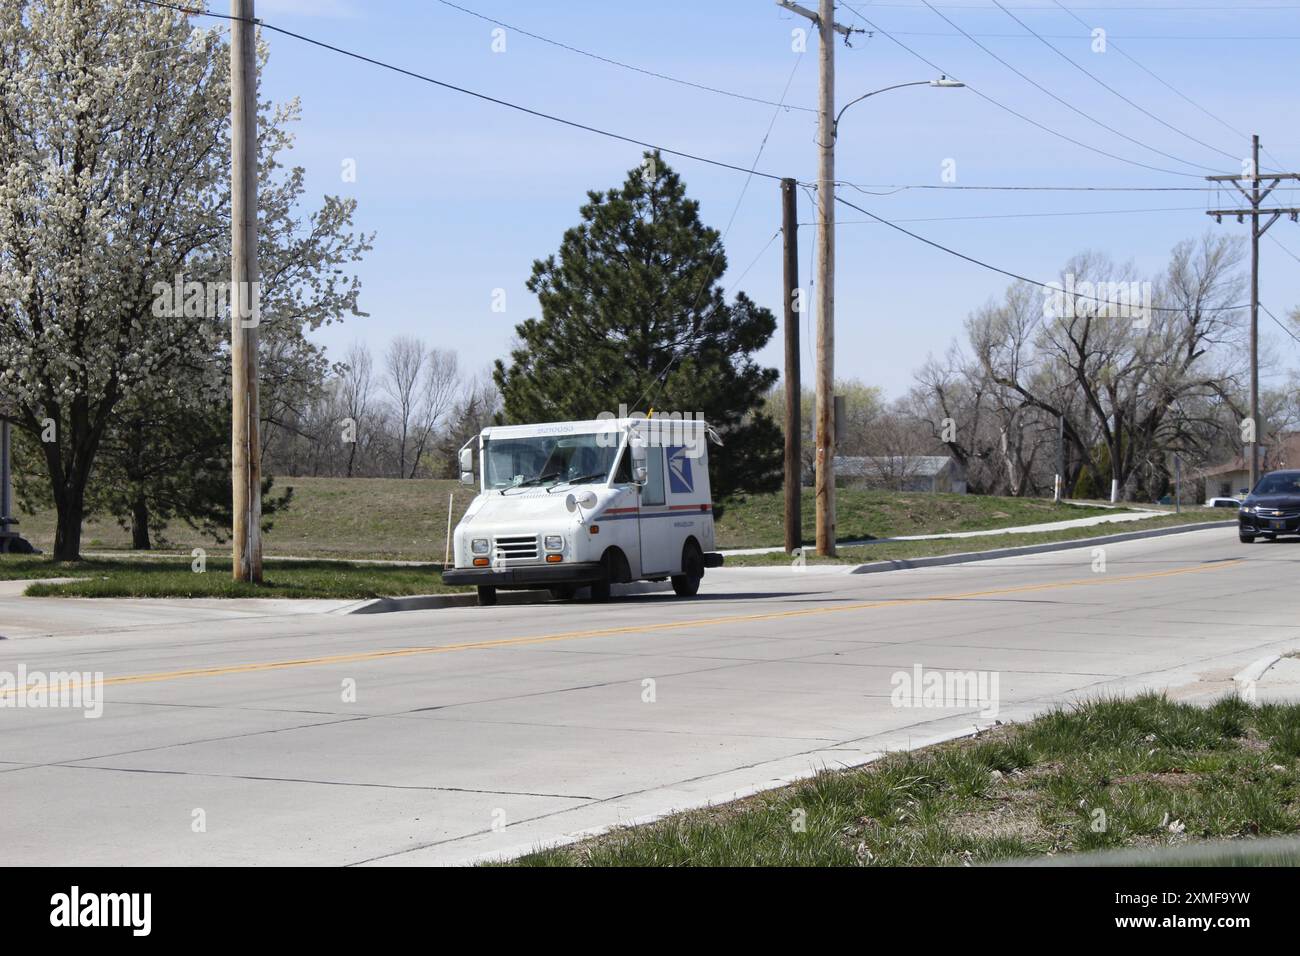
355	384
403	363
437	391
1129	386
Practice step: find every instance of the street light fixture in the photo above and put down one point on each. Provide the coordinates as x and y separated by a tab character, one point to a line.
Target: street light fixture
942	82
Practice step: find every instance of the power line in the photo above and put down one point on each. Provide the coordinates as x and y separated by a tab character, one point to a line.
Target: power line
621	64
1279	244
899	187
992	268
1278	321
652	391
1169	86
474	93
1064	102
1096	79
1257	8
1022	215
1016	113
602	132
1109	37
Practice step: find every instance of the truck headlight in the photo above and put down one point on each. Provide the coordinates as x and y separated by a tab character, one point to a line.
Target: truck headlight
554	542
1248	509
479	546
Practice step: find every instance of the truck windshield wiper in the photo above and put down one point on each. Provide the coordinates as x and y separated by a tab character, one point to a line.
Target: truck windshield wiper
533	481
581	478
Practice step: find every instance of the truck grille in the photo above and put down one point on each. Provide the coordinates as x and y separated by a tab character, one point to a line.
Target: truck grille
516	547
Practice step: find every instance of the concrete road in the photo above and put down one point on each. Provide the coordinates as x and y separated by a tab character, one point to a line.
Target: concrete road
233	734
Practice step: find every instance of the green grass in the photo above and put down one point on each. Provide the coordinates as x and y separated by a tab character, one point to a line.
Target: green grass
328	518
1161	773
174	578
906	550
391	518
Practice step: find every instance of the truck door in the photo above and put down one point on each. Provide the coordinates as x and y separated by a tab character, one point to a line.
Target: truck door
655	519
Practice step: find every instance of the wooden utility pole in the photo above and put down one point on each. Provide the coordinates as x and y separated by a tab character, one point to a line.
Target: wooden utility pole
793	387
825	480
1255	196
824	19
245	310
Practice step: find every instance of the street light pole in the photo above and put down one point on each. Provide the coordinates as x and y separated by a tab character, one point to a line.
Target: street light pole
827	125
826	426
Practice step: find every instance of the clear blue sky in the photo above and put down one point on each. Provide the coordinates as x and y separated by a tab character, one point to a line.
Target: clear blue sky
465	195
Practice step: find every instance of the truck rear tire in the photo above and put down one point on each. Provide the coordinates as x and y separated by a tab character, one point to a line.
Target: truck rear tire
487	595
687	584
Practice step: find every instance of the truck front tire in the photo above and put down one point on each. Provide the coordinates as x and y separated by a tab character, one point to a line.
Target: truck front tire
487	595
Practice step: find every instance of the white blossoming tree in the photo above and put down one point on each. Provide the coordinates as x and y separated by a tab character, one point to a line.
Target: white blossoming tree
114	178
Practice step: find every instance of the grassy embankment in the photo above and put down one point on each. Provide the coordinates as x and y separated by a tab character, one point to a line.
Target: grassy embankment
1137	773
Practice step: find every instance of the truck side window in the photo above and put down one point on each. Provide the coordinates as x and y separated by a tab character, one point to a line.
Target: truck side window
653	491
623	473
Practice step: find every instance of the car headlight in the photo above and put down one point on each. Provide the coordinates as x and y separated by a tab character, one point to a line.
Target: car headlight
479	546
554	542
1248	509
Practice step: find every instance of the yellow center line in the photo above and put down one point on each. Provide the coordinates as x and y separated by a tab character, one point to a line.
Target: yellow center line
640	628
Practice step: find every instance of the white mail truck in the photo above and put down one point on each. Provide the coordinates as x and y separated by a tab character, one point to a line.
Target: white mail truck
569	505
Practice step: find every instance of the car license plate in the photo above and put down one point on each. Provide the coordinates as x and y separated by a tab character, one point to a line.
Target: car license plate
1277	524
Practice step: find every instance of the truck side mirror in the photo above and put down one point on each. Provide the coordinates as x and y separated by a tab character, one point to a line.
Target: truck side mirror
639	472
466	466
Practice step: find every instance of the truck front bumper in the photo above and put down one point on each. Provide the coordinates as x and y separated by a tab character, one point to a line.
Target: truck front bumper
527	576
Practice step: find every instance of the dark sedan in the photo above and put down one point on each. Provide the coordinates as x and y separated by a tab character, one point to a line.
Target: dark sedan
1273	508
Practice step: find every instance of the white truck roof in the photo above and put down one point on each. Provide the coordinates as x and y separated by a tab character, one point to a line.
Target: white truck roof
591	426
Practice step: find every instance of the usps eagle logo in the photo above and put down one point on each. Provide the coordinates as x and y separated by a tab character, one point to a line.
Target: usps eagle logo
680	480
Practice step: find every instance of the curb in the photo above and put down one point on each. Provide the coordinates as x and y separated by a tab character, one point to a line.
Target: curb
968	557
1255	671
432	602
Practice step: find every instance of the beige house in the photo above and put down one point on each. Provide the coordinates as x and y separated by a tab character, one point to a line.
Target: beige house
1232	478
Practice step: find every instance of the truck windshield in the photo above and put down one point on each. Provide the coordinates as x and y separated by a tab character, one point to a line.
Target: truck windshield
548	459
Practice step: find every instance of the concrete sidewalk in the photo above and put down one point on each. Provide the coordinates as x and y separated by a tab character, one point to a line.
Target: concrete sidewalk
27	617
1133	515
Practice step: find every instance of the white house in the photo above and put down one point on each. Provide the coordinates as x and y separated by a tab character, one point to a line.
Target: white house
903	472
